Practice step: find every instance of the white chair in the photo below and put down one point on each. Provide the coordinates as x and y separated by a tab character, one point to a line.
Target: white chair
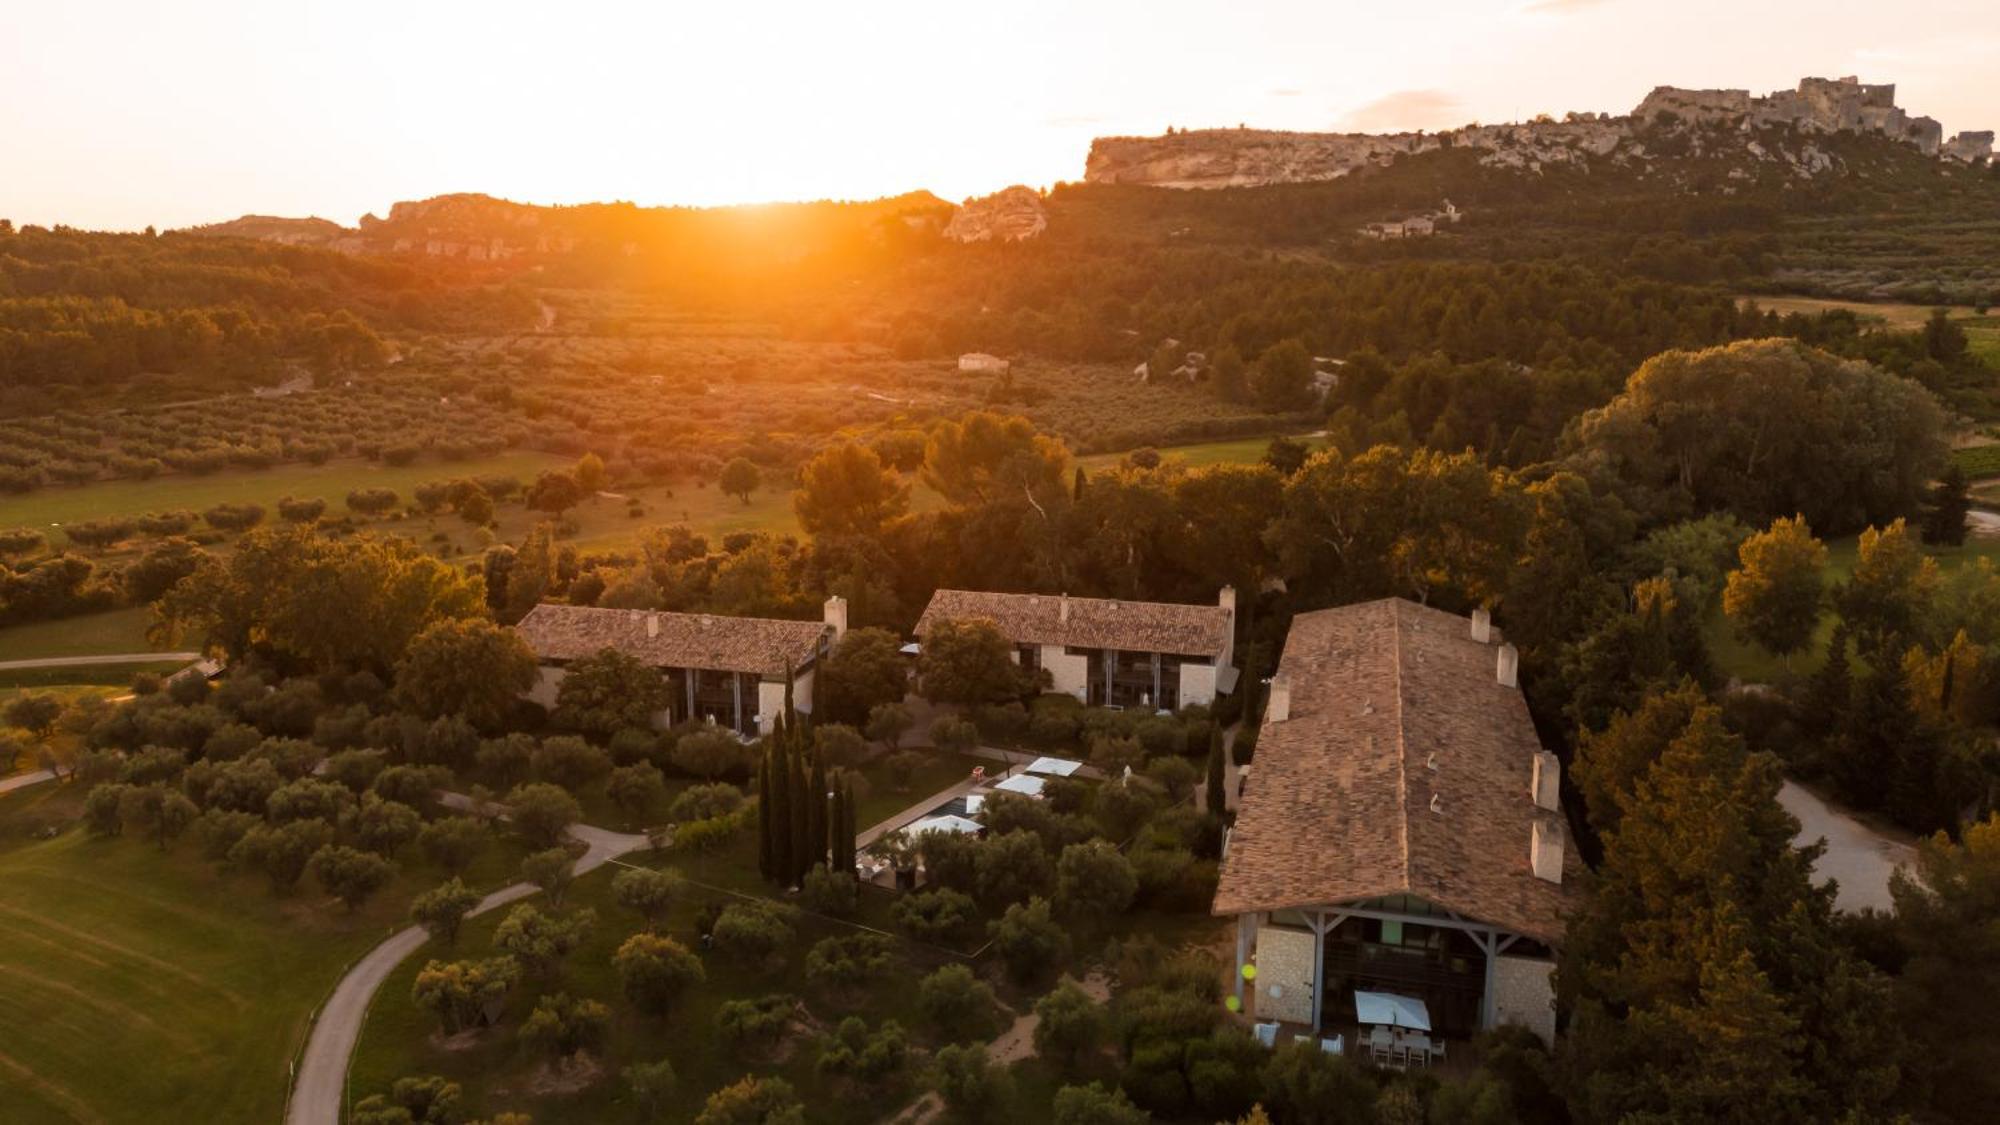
1267	1034
1381	1045
1417	1050
1437	1050
1334	1046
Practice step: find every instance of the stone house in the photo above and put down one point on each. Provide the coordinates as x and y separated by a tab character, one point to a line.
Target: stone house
1109	653
1402	831
979	363
730	671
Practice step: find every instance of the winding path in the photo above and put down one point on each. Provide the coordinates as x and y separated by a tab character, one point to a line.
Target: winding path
1859	857
319	1085
102	658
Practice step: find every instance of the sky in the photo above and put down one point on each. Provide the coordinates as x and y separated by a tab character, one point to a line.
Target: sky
119	115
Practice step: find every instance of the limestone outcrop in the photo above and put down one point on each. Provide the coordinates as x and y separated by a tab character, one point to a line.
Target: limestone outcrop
1214	158
1009	215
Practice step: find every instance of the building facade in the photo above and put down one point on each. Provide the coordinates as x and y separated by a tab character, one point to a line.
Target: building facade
730	671
1109	653
1402	830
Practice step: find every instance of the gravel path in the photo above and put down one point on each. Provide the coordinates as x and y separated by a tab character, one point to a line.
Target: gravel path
107	658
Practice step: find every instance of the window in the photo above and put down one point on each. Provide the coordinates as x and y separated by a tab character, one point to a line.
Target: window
1392	933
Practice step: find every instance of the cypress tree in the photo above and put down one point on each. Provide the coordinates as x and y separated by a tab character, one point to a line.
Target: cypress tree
850	831
1218	798
816	813
781	812
764	865
800	844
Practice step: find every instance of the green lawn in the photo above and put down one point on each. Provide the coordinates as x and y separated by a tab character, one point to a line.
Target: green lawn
1738	658
50	507
143	986
93	634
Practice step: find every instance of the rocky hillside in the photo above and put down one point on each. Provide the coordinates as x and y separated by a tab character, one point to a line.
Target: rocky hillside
1781	133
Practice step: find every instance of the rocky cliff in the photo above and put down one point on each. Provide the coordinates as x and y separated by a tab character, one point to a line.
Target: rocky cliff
1775	130
1009	215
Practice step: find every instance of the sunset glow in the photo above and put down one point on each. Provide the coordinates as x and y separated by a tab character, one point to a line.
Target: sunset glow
228	106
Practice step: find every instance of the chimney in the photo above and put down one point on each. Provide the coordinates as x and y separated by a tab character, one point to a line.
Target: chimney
836	615
1227	600
1482	626
1508	668
1545	851
652	625
1278	707
1547	781
1062	613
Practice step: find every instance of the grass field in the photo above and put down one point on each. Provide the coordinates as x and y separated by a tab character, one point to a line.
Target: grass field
143	986
93	634
1982	332
1738	658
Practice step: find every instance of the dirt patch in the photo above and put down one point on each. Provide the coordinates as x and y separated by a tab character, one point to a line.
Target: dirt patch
565	1076
464	1040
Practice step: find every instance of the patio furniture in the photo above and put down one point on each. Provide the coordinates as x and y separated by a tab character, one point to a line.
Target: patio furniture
1334	1046
1437	1050
1417	1050
1381	1044
1266	1033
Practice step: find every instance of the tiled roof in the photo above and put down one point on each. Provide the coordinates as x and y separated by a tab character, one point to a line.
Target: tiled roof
679	640
1405	767
1058	619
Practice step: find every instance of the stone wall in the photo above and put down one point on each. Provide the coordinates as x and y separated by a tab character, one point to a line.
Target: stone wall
1285	974
1524	994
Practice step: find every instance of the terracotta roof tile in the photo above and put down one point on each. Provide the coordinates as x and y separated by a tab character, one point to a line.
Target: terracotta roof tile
680	640
1183	630
1394	705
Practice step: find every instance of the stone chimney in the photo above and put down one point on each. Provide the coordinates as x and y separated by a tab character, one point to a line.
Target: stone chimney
652	625
1227	600
1482	626
1545	851
1062	611
1546	783
836	615
1278	707
1507	668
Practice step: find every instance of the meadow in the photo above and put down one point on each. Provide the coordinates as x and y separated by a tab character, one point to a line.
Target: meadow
144	986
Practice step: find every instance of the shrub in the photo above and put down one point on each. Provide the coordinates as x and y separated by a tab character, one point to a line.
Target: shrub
1069	1025
453	842
655	971
753	1101
755	1025
441	909
958	1004
846	962
972	1087
541	941
710	754
1029	941
349	874
569	761
542	814
752	933
941	916
561	1026
700	802
828	892
1093	882
645	892
854	1053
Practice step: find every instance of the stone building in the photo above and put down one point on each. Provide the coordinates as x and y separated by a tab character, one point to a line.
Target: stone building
1401	830
1109	653
730	671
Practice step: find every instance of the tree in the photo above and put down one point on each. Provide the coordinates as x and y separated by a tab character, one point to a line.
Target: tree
369	501
1774	598
740	478
443	908
1282	379
463	994
1944	925
1889	595
652	1084
1944	512
350	874
1306	1085
1094	881
296	510
970	662
636	789
1705	956
569	762
868	1059
709	754
35	712
887	723
846	962
552	870
866	670
156	811
655	971
156	572
1611	762
972	1087
381	826
752	933
645	892
541	941
281	851
589	473
429	1100
1216	785
609	691
466	667
845	491
1095	1105
555	493
1069	1025
542	814
958	1004
937	916
1029	941
753	1101
562	1027
453	842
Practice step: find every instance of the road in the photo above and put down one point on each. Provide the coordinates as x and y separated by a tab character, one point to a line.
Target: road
110	658
23	780
1856	855
320	1083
